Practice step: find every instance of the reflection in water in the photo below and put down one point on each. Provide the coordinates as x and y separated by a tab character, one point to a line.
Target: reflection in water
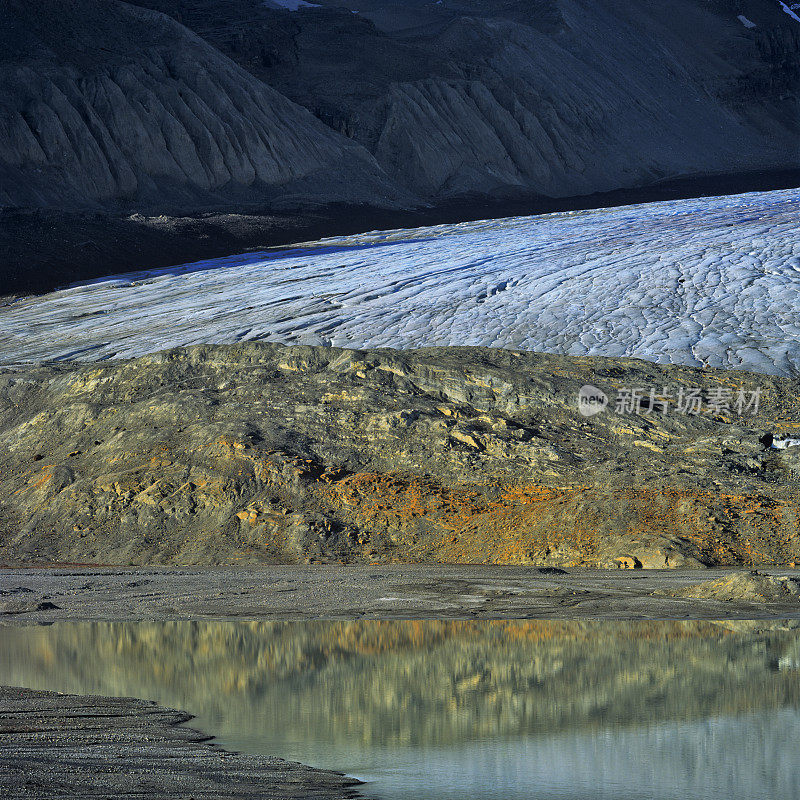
464	709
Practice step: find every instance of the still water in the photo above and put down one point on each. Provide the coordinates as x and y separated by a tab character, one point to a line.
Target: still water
464	710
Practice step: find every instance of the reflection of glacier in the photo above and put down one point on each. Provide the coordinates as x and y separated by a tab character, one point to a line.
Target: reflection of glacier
463	711
734	758
712	281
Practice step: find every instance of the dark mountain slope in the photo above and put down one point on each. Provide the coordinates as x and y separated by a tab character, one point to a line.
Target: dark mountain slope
556	97
457	110
108	103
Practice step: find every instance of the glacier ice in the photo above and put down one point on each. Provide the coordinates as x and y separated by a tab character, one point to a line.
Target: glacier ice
706	281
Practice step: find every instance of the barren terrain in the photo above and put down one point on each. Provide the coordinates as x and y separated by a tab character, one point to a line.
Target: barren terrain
260	453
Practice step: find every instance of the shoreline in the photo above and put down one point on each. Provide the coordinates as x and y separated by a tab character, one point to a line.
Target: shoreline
45	249
393	592
83	746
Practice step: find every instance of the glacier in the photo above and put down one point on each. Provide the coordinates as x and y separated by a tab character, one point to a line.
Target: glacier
703	282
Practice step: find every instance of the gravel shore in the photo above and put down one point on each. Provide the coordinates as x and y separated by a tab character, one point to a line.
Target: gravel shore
85	747
437	591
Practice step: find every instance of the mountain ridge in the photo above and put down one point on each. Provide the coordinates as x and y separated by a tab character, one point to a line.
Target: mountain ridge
262	453
117	105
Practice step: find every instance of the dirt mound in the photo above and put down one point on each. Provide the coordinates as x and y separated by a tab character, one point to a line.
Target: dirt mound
754	586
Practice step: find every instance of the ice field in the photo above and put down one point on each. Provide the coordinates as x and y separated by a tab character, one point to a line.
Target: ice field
707	281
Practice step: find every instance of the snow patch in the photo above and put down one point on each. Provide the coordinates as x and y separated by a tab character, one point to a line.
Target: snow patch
746	22
290	5
785	444
789	10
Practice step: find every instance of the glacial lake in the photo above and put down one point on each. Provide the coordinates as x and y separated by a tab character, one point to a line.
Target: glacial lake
464	710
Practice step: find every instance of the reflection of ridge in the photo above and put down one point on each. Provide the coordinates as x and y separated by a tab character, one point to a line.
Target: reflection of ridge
417	683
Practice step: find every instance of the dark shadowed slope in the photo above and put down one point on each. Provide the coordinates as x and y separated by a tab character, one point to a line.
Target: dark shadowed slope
558	97
108	104
454	110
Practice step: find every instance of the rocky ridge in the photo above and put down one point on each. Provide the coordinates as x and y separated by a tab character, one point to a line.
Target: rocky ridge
264	453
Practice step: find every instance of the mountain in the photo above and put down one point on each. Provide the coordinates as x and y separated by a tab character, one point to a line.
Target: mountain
555	97
257	453
105	104
123	126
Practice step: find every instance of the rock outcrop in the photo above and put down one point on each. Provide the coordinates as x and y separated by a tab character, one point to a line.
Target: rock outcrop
264	453
751	586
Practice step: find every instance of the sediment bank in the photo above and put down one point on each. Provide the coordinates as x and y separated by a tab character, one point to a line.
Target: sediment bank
433	591
73	746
